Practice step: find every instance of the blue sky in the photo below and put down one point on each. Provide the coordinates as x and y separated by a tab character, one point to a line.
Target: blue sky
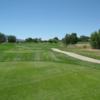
49	18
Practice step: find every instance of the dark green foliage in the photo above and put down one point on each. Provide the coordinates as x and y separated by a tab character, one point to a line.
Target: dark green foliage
12	39
50	41
95	40
84	38
29	39
54	40
35	40
66	40
73	38
2	38
70	39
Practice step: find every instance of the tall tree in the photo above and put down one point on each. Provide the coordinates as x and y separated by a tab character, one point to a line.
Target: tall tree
66	39
84	38
73	38
29	39
12	39
2	38
70	39
95	40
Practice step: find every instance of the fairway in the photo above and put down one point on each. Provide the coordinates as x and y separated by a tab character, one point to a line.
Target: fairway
32	71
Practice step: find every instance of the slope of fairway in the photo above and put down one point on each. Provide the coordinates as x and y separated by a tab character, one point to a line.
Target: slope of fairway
35	72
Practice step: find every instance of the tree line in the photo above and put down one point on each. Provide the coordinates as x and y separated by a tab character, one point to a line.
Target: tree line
94	39
12	39
36	40
72	38
68	39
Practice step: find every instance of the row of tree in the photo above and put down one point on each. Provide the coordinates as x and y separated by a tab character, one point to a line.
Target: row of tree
72	38
4	38
68	39
94	39
13	39
37	40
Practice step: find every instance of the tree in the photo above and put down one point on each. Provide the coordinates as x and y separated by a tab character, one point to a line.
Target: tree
84	38
12	39
95	40
29	39
73	38
70	39
54	40
66	39
36	40
2	38
50	40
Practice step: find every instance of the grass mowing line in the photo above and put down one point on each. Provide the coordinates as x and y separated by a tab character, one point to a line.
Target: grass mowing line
67	84
53	56
57	72
47	75
34	81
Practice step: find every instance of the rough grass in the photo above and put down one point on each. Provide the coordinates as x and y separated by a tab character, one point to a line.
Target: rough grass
34	72
83	49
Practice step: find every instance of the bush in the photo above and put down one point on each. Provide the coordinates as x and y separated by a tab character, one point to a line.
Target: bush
84	46
73	38
11	39
50	41
29	39
54	40
95	40
37	40
84	38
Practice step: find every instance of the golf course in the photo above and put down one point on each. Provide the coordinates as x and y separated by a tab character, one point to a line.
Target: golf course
32	71
49	50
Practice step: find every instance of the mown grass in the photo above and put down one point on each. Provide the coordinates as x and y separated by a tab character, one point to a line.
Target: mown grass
35	72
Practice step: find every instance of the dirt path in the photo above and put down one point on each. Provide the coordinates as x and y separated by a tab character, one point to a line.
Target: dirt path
84	58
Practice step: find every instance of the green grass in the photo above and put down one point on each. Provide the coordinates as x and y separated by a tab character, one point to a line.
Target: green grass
34	72
85	51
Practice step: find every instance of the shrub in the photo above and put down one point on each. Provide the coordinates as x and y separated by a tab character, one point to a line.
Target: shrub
54	40
11	39
95	40
84	38
29	39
